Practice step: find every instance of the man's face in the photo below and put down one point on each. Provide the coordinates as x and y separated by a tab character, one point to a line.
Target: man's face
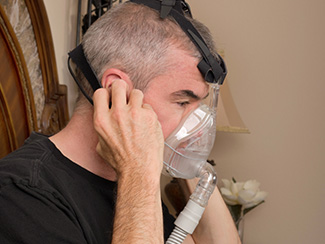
176	93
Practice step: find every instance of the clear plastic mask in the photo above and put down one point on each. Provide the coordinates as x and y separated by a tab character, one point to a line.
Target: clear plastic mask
188	147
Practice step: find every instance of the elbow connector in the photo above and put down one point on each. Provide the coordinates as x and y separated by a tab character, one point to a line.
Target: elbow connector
206	185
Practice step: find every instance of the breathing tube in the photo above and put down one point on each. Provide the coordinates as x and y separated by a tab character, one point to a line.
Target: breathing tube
189	218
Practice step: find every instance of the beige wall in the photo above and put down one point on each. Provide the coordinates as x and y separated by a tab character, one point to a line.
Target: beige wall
276	57
62	15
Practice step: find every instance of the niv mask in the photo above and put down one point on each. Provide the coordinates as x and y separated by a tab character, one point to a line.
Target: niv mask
189	145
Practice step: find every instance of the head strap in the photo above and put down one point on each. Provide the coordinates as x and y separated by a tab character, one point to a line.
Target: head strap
78	57
213	69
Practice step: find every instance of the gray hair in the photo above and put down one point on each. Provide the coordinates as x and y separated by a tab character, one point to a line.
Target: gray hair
134	39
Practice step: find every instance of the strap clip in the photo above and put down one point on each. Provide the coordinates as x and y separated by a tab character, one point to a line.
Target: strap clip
166	7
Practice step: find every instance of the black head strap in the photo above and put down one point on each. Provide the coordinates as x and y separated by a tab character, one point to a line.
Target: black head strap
213	69
78	57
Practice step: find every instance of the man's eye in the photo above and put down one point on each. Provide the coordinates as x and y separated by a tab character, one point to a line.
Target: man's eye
183	104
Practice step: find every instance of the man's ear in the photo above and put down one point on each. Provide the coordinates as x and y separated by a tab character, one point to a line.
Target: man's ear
111	74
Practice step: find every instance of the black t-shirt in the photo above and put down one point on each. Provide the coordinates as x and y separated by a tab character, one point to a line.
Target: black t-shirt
46	198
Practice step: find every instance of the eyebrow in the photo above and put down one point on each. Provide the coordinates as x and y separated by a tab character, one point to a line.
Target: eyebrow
187	93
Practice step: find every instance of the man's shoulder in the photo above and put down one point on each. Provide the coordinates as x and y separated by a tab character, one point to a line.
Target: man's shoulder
34	148
22	164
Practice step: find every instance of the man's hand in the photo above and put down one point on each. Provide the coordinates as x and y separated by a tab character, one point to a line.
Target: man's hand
130	136
131	141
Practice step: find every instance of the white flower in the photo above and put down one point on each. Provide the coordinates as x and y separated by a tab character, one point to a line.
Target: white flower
246	193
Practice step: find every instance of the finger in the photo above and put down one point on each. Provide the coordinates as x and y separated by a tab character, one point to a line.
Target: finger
119	93
101	101
136	98
147	106
99	149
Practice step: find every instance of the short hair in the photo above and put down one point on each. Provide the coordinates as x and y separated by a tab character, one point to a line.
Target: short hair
134	39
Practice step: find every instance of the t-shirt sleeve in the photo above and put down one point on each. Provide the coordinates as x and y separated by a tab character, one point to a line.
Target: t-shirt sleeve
28	216
168	222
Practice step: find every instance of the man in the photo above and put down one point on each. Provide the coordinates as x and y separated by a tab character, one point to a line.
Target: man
63	189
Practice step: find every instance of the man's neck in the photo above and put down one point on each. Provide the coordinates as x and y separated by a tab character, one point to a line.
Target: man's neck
78	141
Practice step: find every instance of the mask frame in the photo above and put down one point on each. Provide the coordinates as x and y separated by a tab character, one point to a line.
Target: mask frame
188	147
